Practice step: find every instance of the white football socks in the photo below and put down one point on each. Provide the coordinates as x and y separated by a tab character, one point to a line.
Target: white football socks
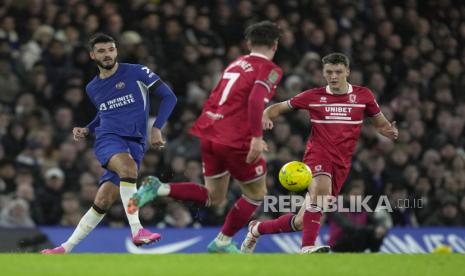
164	190
254	230
126	190
87	223
222	239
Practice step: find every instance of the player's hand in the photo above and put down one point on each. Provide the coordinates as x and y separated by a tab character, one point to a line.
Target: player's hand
266	122
257	146
390	131
156	140
80	133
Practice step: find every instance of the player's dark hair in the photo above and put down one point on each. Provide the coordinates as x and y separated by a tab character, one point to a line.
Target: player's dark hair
336	58
99	38
264	33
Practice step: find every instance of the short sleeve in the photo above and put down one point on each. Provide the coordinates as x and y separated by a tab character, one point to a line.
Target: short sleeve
146	75
372	108
269	76
300	101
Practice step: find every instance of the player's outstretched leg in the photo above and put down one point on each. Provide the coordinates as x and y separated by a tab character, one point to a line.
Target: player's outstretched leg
87	223
152	188
126	168
283	224
239	215
105	197
318	190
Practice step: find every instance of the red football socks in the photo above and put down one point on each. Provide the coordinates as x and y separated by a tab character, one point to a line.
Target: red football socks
239	215
188	191
311	228
282	224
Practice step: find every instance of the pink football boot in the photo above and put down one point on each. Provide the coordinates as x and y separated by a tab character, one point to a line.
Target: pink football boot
56	250
144	236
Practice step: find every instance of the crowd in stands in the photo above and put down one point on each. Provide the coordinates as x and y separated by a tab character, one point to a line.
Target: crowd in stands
410	53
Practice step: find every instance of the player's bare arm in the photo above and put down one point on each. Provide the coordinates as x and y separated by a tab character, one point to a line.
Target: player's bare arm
384	127
272	112
257	146
80	133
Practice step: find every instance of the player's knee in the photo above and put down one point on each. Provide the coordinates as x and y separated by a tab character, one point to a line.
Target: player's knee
262	192
216	201
128	171
257	194
320	190
104	203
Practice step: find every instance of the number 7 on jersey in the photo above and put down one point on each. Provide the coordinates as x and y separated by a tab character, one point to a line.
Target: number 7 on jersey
232	78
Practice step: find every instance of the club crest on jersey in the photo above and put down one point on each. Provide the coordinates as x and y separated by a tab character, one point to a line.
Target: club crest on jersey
352	98
273	76
120	85
318	168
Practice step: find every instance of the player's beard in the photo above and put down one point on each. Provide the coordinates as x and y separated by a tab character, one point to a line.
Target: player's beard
106	67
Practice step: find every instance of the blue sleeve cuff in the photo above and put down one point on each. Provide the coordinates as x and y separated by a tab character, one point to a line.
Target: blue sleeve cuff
94	123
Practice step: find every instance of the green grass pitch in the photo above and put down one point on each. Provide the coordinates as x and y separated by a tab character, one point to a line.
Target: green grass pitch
237	265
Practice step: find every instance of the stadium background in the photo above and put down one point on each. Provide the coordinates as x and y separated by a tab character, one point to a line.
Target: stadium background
410	53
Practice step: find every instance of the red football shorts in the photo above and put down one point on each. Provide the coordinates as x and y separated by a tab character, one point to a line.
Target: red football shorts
337	173
219	160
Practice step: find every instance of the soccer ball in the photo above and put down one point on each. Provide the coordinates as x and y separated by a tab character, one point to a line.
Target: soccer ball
295	176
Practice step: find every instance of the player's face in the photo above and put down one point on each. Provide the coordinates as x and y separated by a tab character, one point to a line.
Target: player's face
104	54
336	75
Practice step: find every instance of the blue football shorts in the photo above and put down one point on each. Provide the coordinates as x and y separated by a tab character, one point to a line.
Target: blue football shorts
108	144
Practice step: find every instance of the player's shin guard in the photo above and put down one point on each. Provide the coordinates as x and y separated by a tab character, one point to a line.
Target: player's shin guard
127	187
188	191
311	227
87	223
239	215
283	224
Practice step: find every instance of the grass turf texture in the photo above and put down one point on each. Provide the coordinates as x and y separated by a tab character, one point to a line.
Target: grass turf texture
222	265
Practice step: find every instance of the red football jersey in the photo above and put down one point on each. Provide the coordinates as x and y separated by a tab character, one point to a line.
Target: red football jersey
224	117
336	121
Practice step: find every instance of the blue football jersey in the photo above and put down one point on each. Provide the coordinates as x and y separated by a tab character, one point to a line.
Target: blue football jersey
122	100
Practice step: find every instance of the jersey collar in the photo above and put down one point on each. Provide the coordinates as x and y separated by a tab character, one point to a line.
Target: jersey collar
350	90
259	55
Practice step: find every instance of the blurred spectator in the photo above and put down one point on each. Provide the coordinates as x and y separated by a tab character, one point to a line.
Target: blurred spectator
354	231
207	42
27	192
31	51
177	215
448	213
50	196
72	212
7	175
9	82
16	214
402	214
